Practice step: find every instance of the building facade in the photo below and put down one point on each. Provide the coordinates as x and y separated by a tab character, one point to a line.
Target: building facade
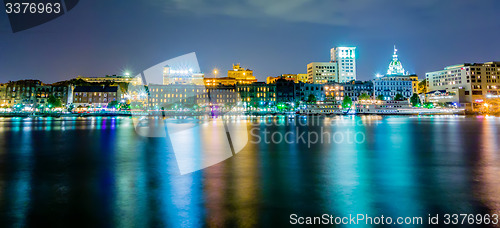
480	81
237	75
334	93
95	96
322	72
181	76
21	92
112	79
3	95
390	85
345	57
453	96
287	91
291	77
302	78
354	89
258	93
307	90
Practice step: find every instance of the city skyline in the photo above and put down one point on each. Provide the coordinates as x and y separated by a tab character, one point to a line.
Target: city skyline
62	50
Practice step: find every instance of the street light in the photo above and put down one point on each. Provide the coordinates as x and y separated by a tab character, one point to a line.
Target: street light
215	72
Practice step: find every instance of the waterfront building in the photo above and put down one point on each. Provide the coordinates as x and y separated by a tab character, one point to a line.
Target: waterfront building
384	107
223	96
190	96
258	93
182	76
480	81
354	89
287	91
396	81
237	75
3	95
322	72
316	90
455	97
32	93
334	93
177	96
43	92
95	96
21	92
112	79
391	85
345	57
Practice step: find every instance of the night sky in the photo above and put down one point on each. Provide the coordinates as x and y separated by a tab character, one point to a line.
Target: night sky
270	37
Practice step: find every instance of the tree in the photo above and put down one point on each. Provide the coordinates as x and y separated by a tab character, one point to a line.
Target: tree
399	97
113	104
71	107
422	86
364	96
54	102
311	98
347	102
415	99
380	97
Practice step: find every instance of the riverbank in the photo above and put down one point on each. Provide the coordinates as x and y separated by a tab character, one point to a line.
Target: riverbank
58	115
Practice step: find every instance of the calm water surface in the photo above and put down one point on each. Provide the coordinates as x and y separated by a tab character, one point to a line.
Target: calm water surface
99	172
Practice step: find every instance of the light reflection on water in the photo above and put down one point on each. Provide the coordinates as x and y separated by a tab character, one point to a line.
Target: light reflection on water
99	172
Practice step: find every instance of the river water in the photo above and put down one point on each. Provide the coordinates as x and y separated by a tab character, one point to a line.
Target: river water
98	172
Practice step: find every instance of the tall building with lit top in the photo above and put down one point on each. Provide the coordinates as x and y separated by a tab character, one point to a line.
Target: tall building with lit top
345	57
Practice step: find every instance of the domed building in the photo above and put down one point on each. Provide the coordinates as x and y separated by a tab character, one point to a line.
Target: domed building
396	81
395	67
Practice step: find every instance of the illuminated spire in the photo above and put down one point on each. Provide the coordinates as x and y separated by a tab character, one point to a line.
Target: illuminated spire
395	56
395	67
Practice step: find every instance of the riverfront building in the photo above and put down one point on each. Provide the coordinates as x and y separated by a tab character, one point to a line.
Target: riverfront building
181	76
112	79
334	93
480	81
3	95
354	89
95	96
258	93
